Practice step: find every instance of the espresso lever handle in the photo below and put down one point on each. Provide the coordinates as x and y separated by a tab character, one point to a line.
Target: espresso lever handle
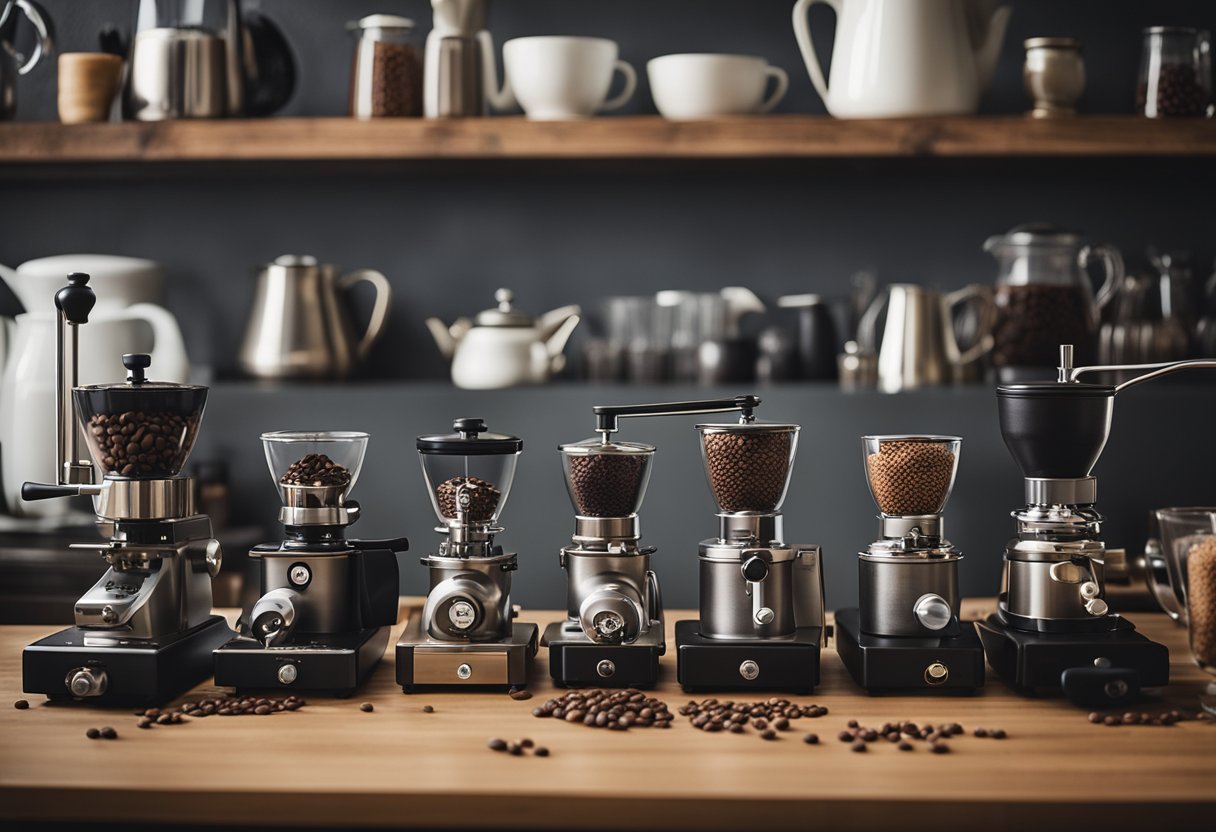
31	491
606	415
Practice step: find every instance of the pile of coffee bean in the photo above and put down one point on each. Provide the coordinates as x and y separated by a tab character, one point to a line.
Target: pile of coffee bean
618	710
766	716
1033	320
748	468
218	706
903	734
606	485
517	749
396	81
1201	599
483	498
1179	91
910	477
106	733
317	471
139	444
1135	718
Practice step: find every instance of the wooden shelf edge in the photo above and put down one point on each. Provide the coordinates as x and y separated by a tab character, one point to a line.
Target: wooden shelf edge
626	137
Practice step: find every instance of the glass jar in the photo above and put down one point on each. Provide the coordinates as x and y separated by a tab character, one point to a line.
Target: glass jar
1044	297
606	479
469	473
1175	73
748	466
386	77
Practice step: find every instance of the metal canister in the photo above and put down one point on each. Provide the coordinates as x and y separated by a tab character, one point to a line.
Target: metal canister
908	595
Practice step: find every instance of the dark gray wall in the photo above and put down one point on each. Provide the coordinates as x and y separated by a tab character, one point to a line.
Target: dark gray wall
447	236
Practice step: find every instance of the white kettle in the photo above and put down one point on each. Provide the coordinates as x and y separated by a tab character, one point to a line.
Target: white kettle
899	58
504	347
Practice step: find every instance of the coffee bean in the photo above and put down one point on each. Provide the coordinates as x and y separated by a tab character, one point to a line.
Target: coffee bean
21	705
613	709
905	746
606	484
515	749
869	736
1032	320
428	709
367	707
980	732
910	477
395	80
999	734
939	748
1111	720
315	470
1177	90
859	746
747	467
93	733
109	733
811	739
541	751
140	444
145	722
520	695
1095	718
782	724
845	736
497	744
526	743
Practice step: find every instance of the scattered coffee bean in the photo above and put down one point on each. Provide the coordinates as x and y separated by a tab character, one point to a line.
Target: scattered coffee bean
1111	720
939	748
515	749
145	722
811	739
520	695
617	710
315	471
859	746
428	709
905	746
1095	718
526	743
980	732
497	744
845	736
999	734
768	734
109	733
367	707
93	733
21	704
782	724
541	751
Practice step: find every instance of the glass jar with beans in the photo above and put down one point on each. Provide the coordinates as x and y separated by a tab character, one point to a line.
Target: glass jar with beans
606	479
469	472
1175	73
386	75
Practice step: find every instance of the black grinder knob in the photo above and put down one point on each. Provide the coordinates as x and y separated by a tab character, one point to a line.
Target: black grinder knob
76	300
136	363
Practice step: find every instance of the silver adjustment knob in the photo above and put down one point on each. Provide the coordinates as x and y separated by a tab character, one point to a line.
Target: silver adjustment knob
464	671
765	615
932	611
1089	595
608	624
605	668
749	670
213	557
937	674
299	575
1096	607
86	681
462	615
108	615
287	674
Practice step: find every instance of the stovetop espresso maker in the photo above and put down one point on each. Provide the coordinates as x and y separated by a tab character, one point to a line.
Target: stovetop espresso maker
144	632
466	633
906	633
321	621
761	621
1053	629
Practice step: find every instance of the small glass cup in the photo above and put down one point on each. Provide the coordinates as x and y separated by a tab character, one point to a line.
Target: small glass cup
1175	73
290	454
1188	538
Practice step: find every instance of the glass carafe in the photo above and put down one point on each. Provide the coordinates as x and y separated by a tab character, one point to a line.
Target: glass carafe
1045	297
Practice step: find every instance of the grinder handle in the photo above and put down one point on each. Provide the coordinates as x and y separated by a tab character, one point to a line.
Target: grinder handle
393	544
606	415
31	491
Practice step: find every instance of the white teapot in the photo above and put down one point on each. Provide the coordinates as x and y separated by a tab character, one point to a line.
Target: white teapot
902	58
504	347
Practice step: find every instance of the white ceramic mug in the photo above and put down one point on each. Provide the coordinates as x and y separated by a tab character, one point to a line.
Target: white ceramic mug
565	77
696	86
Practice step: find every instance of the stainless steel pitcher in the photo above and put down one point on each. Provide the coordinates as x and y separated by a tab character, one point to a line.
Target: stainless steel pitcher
12	63
918	347
300	326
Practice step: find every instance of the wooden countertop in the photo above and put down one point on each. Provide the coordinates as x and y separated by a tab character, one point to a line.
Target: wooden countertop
331	764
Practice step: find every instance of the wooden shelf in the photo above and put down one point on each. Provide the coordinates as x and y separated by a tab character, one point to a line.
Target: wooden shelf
632	137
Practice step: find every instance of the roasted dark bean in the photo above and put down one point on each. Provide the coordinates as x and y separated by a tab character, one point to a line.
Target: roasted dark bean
747	468
811	739
93	733
497	744
21	704
607	484
109	733
909	477
367	707
483	497
428	709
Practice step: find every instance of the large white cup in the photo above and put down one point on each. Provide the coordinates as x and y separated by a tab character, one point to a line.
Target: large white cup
693	86
557	78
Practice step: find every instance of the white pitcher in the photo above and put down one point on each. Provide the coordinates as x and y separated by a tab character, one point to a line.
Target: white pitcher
27	406
896	58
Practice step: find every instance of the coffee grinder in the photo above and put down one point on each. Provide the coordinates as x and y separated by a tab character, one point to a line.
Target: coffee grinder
466	633
322	620
906	635
144	632
613	634
761	620
1053	630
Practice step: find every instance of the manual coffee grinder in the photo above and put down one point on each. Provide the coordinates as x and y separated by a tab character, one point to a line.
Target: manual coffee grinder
761	620
466	633
144	632
321	622
1053	629
906	634
613	634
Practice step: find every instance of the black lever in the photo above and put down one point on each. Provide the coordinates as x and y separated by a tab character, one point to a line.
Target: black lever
76	300
31	491
393	544
606	415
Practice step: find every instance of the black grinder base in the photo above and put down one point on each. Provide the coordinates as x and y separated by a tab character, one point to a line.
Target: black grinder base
425	661
137	672
577	661
1093	669
330	664
952	663
790	664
